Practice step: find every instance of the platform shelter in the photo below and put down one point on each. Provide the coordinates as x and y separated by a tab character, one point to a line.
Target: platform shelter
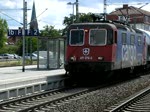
52	51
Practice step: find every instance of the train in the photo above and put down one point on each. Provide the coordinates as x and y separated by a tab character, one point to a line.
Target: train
105	47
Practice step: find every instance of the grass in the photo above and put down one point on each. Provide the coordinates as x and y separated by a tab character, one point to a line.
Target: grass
8	63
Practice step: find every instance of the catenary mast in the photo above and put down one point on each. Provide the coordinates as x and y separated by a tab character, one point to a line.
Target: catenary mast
105	10
77	10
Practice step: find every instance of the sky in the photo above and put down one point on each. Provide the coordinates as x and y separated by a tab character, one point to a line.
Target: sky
52	12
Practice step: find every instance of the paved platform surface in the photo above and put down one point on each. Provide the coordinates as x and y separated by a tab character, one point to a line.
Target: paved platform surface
14	82
11	73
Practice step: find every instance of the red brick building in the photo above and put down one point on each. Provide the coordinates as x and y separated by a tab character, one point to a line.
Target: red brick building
12	40
136	17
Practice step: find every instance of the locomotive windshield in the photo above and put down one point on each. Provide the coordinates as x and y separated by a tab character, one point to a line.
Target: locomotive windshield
97	37
76	37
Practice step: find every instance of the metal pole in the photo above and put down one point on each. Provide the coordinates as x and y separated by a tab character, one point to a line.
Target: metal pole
105	10
77	11
58	55
73	9
48	51
23	34
73	13
31	51
38	53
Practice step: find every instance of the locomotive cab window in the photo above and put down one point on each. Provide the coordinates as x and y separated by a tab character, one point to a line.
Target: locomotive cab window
139	40
132	39
76	37
97	37
124	38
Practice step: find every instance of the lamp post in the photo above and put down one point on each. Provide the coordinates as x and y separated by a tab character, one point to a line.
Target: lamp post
23	32
69	3
77	10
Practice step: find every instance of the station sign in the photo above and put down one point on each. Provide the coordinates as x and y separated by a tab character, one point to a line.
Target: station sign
18	32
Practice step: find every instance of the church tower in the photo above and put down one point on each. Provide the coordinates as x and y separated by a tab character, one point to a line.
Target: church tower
33	22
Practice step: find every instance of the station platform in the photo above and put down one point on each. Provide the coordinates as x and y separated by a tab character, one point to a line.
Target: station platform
15	83
11	73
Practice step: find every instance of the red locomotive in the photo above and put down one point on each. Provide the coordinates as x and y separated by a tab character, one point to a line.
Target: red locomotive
106	46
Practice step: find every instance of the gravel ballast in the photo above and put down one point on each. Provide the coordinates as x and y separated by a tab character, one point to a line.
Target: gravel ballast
101	99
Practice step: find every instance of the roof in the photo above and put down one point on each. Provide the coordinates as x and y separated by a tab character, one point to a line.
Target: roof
129	10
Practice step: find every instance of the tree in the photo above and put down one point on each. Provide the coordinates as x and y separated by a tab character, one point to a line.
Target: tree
50	31
3	32
68	20
82	18
85	17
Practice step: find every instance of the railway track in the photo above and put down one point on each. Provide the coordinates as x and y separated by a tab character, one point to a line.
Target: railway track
43	101
47	100
138	102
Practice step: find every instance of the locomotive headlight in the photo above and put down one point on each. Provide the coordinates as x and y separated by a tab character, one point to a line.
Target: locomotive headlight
100	58
86	31
73	58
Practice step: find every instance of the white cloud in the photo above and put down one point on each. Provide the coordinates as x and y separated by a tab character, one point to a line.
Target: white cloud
8	3
54	15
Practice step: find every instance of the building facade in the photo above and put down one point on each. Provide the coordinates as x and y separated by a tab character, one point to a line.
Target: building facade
136	17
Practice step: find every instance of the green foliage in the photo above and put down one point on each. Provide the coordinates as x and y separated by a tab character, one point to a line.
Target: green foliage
82	19
9	49
31	44
3	32
85	17
9	63
68	20
43	44
19	45
50	31
34	44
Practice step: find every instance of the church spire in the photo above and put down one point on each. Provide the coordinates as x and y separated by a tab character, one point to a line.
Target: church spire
33	22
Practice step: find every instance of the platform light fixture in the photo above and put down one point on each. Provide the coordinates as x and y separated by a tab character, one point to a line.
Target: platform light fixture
74	3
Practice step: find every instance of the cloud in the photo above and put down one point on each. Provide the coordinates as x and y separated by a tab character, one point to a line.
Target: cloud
8	3
55	13
57	10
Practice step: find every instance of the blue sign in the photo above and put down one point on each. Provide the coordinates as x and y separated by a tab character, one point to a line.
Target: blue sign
18	32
